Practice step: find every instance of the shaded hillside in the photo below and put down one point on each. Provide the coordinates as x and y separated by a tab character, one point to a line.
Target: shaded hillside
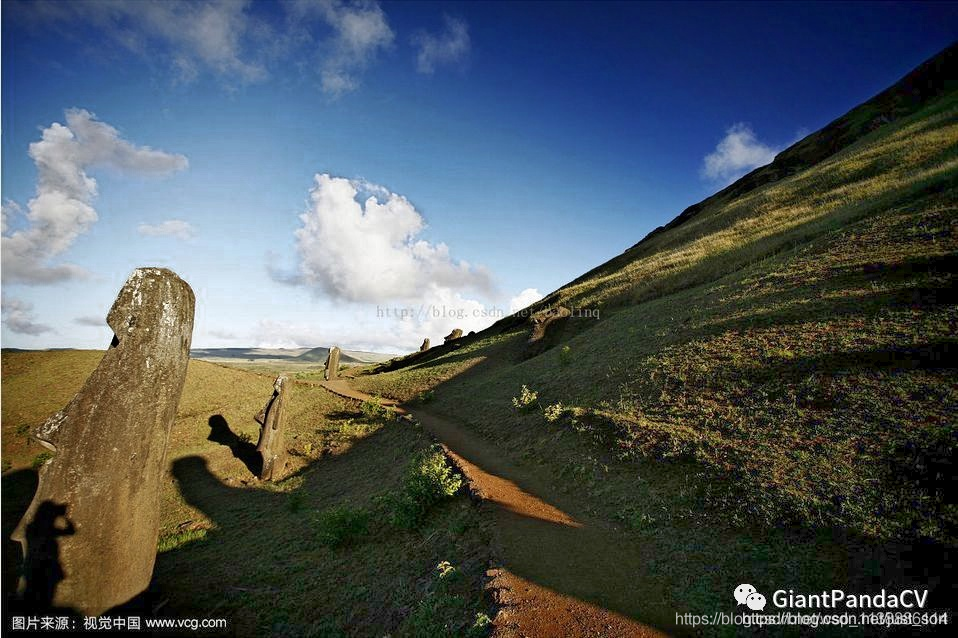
791	338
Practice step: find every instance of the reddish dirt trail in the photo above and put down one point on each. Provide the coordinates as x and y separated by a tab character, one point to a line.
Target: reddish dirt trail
559	574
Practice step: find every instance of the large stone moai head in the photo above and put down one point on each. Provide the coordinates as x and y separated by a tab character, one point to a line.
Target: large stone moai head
332	364
272	437
425	345
110	443
452	336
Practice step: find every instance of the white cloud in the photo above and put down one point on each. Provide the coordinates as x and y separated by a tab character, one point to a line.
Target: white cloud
368	250
19	317
170	228
189	35
221	334
91	321
524	299
62	209
359	31
448	47
737	153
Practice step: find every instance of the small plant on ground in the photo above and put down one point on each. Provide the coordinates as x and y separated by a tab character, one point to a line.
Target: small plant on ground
23	429
565	356
40	459
426	396
374	410
342	525
554	412
428	480
527	400
444	611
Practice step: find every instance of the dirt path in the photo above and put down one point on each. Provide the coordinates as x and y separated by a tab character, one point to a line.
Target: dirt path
559	574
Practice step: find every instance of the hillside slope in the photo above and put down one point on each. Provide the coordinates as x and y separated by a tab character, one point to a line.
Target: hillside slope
789	341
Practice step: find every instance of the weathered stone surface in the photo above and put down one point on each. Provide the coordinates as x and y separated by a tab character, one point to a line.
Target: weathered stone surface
95	515
332	364
543	319
452	336
272	437
425	345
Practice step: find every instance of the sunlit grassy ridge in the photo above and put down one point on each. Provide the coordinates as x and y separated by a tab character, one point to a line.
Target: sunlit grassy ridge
793	342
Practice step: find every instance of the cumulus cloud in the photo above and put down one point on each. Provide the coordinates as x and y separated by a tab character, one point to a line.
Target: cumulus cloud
739	152
448	47
19	317
524	299
367	250
62	209
170	228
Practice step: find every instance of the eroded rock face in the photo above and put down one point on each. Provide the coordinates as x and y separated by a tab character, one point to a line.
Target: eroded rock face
452	336
332	364
98	497
425	345
272	438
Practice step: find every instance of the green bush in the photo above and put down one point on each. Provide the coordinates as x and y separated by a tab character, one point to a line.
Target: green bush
342	525
527	400
374	410
40	459
428	480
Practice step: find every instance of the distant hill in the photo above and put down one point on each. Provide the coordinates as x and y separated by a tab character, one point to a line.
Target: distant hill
287	355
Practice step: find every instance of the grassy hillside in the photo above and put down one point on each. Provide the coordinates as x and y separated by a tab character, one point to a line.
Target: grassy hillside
331	550
789	343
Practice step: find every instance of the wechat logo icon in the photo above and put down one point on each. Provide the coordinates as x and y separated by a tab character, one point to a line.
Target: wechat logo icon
748	596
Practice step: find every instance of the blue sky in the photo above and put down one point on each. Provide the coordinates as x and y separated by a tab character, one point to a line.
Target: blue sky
509	148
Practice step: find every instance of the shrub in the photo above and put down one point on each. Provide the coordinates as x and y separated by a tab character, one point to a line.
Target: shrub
527	399
374	410
554	412
428	480
342	525
565	356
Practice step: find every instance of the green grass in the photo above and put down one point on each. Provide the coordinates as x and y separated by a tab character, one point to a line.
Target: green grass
303	556
770	389
792	343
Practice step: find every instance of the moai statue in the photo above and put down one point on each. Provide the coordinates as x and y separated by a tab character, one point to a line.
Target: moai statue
110	442
272	437
543	319
425	345
452	336
332	364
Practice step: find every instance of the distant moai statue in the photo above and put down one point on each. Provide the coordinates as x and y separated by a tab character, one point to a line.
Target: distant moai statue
452	336
110	441
272	437
425	345
543	319
332	364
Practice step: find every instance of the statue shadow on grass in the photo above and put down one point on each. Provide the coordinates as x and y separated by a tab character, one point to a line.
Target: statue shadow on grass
243	450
